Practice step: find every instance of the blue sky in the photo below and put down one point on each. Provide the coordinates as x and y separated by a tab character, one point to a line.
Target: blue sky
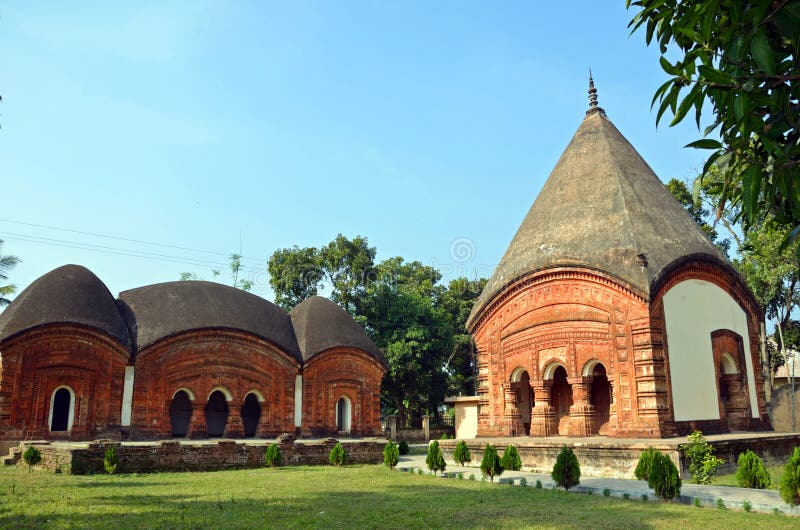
428	127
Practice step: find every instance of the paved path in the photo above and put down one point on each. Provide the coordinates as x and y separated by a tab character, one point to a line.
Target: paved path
761	500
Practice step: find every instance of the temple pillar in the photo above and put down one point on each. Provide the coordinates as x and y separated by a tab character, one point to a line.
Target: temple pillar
543	415
234	427
197	425
513	422
582	413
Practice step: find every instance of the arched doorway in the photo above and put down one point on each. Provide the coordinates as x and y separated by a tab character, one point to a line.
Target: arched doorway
343	414
561	398
251	413
180	414
600	397
521	384
216	414
61	410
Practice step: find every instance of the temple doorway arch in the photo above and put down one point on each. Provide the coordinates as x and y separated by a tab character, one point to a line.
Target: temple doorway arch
251	414
62	409
216	414
180	413
600	397
521	385
561	398
343	414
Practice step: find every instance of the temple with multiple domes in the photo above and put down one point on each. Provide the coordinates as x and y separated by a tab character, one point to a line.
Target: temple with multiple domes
180	359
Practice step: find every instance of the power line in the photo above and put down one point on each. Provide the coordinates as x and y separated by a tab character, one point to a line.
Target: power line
108	236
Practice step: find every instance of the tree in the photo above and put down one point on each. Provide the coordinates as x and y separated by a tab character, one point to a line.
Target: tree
7	263
698	212
32	456
461	453
790	480
435	459
566	471
456	303
294	274
391	455
490	463
348	266
663	477
511	459
741	59
750	472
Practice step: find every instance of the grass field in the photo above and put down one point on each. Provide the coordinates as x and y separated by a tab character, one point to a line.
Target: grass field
326	497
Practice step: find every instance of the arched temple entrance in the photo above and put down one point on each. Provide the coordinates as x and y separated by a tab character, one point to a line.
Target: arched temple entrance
180	413
251	414
600	397
732	391
216	414
61	407
343	414
561	399
524	397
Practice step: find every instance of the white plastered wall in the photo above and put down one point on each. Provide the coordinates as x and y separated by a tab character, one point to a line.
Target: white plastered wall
298	401
692	310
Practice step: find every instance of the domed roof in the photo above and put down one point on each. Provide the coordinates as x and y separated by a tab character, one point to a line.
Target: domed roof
164	309
69	294
320	324
602	208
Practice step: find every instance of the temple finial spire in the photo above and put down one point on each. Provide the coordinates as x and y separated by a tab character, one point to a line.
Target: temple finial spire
593	96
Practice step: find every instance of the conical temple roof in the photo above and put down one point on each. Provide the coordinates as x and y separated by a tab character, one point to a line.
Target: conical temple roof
602	208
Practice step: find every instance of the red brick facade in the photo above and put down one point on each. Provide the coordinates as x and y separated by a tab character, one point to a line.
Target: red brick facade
336	374
570	351
89	364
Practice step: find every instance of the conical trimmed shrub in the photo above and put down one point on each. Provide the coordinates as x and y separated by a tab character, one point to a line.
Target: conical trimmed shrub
790	481
490	464
751	473
566	471
435	458
461	453
642	471
391	455
664	477
511	459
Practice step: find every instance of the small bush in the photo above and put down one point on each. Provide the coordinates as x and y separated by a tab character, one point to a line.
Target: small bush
435	459
461	453
663	477
750	472
606	492
273	455
391	455
523	481
626	496
697	503
747	506
110	460
337	456
460	476
721	504
702	462
403	447
472	477
32	456
566	471
790	481
645	498
446	436
645	463
419	471
538	484
511	459
490	464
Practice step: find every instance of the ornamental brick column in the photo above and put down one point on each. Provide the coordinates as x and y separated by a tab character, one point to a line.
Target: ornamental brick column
197	425
543	415
582	415
234	427
513	422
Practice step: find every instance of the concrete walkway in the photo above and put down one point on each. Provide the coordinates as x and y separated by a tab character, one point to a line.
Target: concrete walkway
761	500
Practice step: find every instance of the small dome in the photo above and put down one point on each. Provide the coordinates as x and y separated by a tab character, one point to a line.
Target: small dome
165	309
320	324
67	295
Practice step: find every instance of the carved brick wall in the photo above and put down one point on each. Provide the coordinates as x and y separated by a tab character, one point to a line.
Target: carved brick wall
333	374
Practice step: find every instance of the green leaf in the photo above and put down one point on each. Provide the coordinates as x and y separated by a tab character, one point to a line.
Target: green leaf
739	106
714	75
751	183
705	143
762	53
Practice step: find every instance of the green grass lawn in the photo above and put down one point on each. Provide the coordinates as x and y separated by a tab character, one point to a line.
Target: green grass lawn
326	497
775	473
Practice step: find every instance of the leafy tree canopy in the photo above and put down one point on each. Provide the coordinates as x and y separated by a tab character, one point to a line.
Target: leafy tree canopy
742	59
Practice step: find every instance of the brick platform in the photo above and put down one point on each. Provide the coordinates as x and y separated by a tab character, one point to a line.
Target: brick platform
145	457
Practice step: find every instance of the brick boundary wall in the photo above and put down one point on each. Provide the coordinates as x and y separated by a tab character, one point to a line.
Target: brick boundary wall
176	456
